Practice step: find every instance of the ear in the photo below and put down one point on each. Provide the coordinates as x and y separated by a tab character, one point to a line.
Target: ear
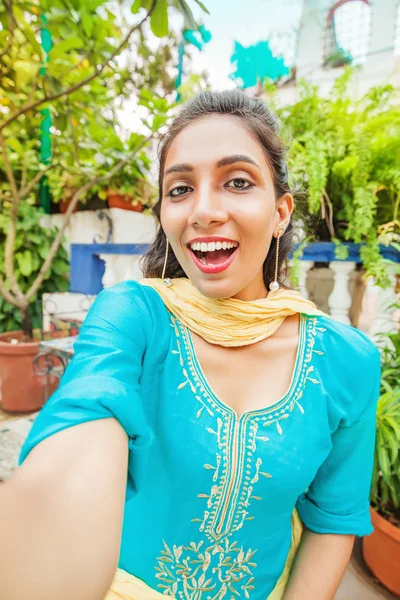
283	212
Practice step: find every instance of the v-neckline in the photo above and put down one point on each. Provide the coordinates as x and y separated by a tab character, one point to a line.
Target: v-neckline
296	373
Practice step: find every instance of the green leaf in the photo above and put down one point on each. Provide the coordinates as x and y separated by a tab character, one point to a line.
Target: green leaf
15	144
25	71
87	23
190	22
74	42
136	6
159	19
24	260
203	8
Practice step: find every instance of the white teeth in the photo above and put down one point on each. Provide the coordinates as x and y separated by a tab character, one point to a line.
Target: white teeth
212	246
203	260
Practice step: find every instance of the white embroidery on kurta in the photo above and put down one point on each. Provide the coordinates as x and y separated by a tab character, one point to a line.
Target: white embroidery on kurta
188	572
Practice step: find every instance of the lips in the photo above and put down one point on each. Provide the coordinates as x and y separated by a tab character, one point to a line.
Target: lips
213	260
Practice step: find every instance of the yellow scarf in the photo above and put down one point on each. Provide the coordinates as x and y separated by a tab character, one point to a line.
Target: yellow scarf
230	322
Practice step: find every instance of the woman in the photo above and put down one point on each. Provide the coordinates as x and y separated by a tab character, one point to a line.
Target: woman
222	401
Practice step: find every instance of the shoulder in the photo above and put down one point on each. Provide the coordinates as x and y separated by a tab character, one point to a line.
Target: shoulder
127	306
350	367
348	344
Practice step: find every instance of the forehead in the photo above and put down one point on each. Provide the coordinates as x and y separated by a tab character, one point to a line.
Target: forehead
210	138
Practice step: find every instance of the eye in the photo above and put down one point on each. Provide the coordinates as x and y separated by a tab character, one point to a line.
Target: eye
180	190
239	183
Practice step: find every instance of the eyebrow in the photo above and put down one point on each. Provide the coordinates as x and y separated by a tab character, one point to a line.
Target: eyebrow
223	162
179	168
234	158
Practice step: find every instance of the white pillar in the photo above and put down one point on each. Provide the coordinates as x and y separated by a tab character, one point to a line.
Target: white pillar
340	299
110	277
305	266
385	299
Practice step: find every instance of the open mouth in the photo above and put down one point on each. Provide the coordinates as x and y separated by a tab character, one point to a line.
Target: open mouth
213	255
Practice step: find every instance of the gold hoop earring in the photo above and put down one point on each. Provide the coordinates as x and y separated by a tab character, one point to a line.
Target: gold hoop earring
167	280
274	285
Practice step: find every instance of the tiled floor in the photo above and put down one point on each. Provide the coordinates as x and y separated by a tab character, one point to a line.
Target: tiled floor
357	584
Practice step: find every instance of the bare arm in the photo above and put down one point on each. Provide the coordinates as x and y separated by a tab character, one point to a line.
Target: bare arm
61	515
319	566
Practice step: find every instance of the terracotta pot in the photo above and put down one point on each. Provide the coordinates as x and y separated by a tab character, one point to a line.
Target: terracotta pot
63	206
124	201
381	552
21	390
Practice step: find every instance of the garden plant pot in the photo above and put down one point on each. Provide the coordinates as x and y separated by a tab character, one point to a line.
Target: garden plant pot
381	552
124	201
63	206
21	390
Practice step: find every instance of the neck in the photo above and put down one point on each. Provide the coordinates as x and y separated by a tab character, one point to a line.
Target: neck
256	290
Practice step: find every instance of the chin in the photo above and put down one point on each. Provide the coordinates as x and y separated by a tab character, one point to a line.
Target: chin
214	288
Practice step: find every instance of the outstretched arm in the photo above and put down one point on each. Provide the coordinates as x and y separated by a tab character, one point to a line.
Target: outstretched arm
61	515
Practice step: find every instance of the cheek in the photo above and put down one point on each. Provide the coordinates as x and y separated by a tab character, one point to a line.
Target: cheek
257	222
173	222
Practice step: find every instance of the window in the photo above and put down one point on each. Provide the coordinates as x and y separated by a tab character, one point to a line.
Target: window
348	33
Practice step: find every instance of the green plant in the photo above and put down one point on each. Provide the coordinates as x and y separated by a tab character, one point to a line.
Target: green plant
345	153
73	90
32	244
385	492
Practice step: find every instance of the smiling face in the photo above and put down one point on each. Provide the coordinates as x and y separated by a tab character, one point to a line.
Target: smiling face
219	210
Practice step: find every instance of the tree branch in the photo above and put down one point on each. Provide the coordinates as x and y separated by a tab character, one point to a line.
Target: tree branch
8	170
329	220
74	201
11	22
28	188
11	232
77	86
8	297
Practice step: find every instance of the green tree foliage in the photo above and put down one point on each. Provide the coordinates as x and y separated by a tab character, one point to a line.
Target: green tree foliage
32	245
78	84
346	154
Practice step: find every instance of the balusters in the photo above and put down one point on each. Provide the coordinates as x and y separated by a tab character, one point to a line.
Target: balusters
340	299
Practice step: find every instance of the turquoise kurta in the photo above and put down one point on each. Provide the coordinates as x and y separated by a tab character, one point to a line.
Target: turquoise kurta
209	496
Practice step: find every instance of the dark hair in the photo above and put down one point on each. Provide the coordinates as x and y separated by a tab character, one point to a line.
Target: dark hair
264	126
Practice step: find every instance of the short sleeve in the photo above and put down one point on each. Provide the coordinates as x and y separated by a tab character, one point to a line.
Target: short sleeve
337	501
102	380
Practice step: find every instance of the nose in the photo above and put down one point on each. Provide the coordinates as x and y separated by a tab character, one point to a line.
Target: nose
208	208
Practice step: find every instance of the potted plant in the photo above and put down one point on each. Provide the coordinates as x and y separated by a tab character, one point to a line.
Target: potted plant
382	549
67	88
344	153
130	188
17	348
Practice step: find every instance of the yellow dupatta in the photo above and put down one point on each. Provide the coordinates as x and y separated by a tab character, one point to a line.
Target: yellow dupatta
227	322
230	322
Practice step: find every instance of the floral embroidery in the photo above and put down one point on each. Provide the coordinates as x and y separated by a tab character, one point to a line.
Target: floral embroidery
189	571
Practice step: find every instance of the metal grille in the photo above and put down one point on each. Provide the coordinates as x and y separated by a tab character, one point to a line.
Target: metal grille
348	33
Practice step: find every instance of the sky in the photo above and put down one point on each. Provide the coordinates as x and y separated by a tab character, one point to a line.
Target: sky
247	22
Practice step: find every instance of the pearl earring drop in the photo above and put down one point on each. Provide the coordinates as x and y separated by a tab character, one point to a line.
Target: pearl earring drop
274	285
